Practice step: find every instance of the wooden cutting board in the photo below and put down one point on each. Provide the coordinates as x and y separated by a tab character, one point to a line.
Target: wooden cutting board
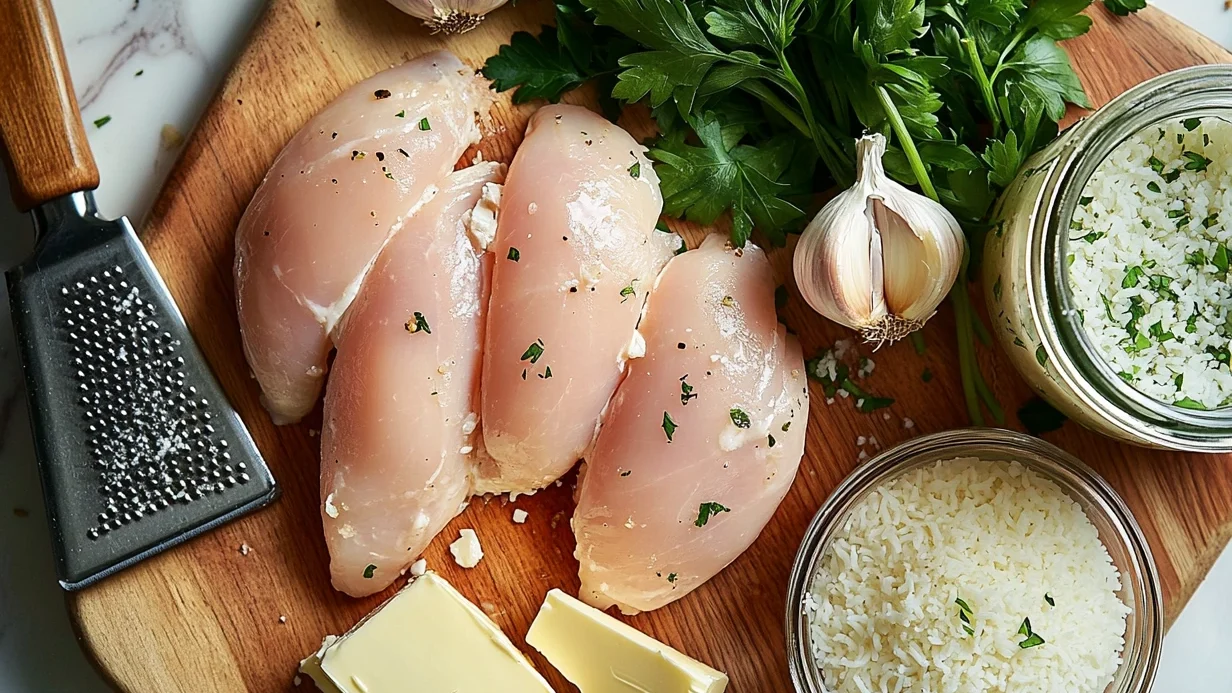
208	617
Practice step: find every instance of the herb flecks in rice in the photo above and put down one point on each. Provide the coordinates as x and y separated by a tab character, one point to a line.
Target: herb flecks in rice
1149	244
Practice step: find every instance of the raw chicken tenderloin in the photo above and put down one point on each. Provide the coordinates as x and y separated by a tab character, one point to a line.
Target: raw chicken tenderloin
576	248
703	438
339	190
400	406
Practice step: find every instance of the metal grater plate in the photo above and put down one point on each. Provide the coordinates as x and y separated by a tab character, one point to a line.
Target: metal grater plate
138	448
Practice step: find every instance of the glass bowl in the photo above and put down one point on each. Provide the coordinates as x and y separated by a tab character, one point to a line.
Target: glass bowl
1119	532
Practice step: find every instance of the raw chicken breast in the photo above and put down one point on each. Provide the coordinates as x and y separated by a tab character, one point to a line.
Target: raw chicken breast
339	190
703	438
400	407
576	249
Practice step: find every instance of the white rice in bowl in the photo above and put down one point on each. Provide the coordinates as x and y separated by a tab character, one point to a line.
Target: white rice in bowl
1149	260
962	577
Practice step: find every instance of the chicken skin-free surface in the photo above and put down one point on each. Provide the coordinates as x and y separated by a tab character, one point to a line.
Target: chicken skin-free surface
400	422
702	440
576	250
344	185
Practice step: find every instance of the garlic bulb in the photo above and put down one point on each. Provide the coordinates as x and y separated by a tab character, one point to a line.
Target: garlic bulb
878	258
449	16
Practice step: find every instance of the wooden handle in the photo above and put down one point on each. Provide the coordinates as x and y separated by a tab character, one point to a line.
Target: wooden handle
40	129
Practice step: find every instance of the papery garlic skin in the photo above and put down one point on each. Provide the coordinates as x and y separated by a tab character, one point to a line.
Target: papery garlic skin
878	258
448	16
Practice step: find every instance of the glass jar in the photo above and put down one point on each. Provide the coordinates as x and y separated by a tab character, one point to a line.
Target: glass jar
1026	277
1118	531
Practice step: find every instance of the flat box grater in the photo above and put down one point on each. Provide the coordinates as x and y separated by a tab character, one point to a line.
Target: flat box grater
137	446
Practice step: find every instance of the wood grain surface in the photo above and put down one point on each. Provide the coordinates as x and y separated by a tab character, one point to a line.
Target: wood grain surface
40	126
204	617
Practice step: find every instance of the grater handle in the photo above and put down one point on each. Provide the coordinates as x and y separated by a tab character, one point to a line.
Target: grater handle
41	135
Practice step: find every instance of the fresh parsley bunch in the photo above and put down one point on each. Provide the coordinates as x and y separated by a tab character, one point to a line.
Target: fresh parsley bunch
759	102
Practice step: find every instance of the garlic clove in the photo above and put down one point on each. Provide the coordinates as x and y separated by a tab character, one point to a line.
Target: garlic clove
878	258
839	263
929	250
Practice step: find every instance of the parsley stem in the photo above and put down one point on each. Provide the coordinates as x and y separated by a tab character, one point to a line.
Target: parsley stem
981	78
831	153
966	351
981	332
840	169
908	144
987	396
975	388
1009	47
772	100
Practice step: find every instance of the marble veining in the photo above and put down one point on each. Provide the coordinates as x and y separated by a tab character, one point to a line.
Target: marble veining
154	28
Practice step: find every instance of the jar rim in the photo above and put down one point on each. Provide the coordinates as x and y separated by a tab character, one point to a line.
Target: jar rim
1204	90
1141	577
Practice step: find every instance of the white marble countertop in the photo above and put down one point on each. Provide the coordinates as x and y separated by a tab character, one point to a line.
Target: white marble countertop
155	63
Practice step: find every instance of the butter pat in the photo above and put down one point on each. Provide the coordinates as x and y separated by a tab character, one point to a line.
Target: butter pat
427	639
599	654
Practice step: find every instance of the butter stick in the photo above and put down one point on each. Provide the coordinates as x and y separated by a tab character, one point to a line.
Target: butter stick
600	654
428	639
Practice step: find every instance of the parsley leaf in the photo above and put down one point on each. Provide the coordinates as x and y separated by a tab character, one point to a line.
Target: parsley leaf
533	352
561	58
1124	7
1195	161
740	418
701	182
1004	159
707	510
1220	259
1058	19
1187	403
964	615
686	390
999	13
1041	73
669	426
1033	638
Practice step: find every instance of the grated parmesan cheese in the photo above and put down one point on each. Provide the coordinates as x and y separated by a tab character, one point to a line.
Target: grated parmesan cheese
884	612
